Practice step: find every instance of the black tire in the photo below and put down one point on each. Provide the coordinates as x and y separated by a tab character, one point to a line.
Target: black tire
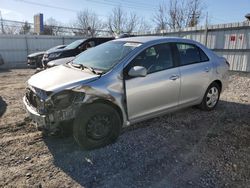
85	129
204	104
65	129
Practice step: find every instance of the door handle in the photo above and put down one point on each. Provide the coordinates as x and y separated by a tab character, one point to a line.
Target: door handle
174	77
206	69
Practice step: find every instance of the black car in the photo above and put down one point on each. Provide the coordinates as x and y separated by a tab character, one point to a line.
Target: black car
73	49
1	60
35	59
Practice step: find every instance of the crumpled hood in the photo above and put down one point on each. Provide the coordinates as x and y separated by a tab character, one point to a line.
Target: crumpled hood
61	77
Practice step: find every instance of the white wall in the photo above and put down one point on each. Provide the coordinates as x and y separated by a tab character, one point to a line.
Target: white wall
219	38
15	48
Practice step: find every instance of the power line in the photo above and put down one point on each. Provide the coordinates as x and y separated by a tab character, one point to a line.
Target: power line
51	6
45	5
119	4
107	3
219	19
148	4
133	4
53	26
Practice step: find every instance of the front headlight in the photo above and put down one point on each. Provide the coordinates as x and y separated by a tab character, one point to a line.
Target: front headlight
54	55
51	64
66	98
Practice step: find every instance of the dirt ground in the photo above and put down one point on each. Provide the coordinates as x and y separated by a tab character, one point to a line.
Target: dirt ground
188	148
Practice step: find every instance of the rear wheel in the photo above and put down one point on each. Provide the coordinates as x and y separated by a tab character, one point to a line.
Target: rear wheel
96	125
211	97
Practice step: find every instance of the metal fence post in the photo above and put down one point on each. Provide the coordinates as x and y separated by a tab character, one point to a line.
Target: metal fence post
206	35
26	45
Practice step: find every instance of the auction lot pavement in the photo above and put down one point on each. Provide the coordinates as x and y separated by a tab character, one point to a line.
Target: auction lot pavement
188	148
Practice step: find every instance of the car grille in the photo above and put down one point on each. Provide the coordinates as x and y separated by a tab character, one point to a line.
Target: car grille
31	60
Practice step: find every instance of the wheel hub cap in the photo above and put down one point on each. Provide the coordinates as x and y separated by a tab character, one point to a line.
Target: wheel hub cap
99	127
212	97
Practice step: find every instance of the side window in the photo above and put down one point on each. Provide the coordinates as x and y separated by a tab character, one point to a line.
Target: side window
155	58
151	52
190	54
86	46
203	56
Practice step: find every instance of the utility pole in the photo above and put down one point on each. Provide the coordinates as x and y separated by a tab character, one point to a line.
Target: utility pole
206	29
207	19
1	20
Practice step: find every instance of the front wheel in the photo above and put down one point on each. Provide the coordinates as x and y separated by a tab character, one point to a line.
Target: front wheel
211	97
96	125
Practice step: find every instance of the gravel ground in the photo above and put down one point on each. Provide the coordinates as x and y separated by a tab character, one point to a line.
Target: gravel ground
188	148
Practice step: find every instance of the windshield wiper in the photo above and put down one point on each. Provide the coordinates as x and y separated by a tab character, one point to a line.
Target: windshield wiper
81	66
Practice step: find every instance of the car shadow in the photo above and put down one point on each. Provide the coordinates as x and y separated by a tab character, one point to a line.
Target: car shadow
161	152
3	106
4	70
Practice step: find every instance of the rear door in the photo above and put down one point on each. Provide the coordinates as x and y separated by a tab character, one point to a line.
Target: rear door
196	73
159	89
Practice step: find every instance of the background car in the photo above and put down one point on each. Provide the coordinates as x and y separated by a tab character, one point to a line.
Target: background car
124	35
73	49
35	59
59	61
1	60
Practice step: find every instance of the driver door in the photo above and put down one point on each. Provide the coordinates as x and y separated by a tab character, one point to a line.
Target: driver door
159	90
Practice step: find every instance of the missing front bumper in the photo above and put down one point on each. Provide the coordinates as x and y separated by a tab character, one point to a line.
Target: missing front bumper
50	121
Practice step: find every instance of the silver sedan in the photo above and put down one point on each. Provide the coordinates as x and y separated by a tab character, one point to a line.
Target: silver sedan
122	82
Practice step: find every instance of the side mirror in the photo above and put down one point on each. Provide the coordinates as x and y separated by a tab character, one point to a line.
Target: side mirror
137	71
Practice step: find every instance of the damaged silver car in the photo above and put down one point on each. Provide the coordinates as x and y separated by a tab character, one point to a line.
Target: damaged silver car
122	82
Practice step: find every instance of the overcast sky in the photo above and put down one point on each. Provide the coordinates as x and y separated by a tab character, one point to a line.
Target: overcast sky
219	11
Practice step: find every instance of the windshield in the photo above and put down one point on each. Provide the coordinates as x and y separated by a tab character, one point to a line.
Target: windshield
105	56
73	45
56	47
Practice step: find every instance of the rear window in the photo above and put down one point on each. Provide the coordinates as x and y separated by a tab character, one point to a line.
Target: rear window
190	54
203	56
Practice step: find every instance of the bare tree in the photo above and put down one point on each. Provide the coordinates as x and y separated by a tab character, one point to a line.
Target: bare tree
176	14
120	22
195	12
11	28
89	23
143	26
25	29
160	18
179	14
52	27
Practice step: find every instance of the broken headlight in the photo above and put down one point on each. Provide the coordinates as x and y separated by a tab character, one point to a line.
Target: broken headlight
66	98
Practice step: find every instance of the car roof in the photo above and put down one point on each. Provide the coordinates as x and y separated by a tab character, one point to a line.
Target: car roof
146	39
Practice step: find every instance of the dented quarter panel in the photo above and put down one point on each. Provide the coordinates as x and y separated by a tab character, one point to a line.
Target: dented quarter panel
109	88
